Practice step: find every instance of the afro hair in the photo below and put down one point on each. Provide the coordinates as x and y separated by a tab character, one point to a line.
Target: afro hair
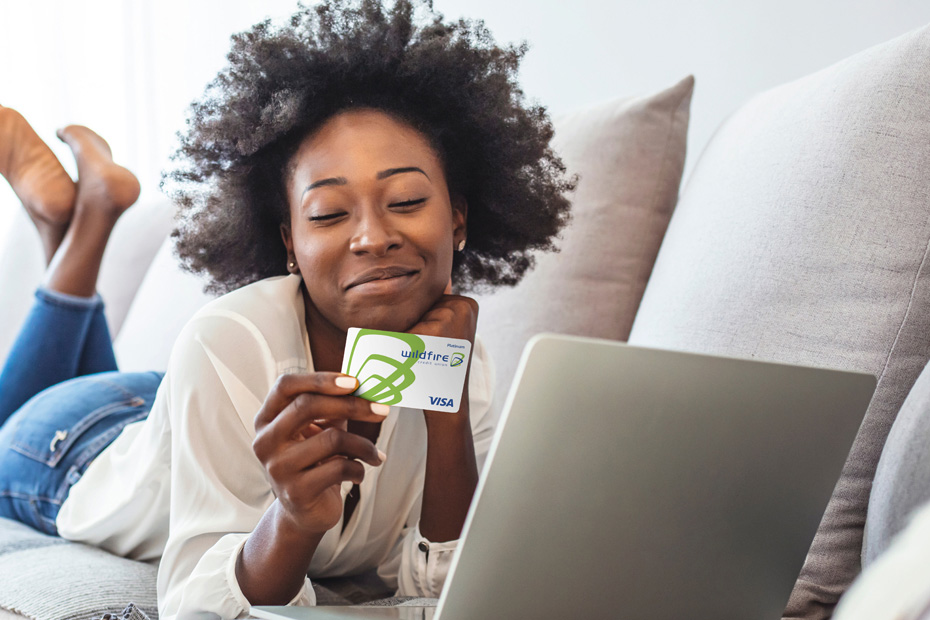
450	81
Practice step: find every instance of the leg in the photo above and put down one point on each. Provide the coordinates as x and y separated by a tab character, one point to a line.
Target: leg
34	173
51	347
97	355
66	335
104	191
47	445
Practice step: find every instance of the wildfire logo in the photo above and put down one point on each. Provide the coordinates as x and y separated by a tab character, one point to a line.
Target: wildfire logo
382	378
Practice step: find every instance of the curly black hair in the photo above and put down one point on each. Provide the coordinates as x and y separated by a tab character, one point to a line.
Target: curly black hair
450	81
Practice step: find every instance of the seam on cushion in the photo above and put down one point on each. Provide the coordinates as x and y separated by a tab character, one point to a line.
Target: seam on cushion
907	312
665	157
655	193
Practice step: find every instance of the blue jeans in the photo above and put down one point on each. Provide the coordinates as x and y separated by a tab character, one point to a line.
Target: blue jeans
62	401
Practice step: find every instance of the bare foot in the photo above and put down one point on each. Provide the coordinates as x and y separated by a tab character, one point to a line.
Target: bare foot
36	176
102	184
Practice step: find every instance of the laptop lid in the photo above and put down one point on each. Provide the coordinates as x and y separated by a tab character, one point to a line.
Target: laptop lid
627	482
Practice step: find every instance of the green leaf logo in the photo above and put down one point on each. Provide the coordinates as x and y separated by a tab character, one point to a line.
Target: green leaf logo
457	359
386	377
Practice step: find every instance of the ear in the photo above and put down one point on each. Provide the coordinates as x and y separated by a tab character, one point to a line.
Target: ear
459	219
286	237
289	245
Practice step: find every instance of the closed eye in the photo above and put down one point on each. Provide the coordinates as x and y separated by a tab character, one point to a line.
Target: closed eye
408	203
323	218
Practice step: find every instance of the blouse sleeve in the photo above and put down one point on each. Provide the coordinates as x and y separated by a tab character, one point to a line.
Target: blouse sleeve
217	378
417	565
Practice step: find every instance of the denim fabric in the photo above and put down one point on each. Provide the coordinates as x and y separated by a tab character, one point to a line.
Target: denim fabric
62	401
64	336
47	444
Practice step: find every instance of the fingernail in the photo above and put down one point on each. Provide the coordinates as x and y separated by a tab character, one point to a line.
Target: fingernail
346	382
379	409
382	456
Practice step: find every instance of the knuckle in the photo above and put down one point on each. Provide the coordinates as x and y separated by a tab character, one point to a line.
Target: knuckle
318	380
275	469
283	383
303	402
332	439
260	446
352	470
351	406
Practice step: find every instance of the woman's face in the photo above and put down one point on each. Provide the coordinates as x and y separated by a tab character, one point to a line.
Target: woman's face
372	225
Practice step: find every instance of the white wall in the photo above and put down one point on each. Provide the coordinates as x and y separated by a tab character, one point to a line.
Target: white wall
129	68
589	50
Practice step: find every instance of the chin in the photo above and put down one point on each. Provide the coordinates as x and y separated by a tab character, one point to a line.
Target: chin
389	318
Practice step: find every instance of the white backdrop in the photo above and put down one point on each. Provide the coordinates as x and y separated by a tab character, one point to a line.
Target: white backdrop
129	68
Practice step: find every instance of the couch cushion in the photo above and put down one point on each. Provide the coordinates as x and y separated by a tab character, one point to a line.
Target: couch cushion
137	236
629	155
902	478
167	298
802	236
48	578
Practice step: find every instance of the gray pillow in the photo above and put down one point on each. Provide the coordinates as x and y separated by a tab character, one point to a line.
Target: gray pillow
802	236
629	154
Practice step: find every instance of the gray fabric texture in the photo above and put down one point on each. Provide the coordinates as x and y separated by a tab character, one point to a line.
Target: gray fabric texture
802	237
130	613
48	578
902	478
629	155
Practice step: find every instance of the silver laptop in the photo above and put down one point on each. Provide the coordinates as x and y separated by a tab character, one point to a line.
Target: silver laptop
627	482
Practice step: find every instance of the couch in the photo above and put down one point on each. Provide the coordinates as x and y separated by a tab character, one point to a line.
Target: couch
801	236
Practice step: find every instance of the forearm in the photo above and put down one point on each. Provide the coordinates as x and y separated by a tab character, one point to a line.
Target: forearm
273	564
451	474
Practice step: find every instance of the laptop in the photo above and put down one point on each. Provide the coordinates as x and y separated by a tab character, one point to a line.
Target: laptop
628	482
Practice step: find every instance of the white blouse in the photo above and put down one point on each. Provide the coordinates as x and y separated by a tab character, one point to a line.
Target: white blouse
185	486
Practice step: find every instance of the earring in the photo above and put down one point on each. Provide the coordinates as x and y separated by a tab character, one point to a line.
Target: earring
291	265
461	245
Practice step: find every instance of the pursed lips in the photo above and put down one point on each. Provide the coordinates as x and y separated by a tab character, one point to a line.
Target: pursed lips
381	273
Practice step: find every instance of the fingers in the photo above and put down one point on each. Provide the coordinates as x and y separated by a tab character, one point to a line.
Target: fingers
313	482
289	386
322	447
453	316
298	390
296	402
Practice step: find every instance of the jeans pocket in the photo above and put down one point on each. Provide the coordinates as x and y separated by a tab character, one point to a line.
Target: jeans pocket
75	415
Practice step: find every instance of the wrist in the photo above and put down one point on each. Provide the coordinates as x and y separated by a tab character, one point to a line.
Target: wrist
287	530
272	565
445	423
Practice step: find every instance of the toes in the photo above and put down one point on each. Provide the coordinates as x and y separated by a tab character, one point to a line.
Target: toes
84	139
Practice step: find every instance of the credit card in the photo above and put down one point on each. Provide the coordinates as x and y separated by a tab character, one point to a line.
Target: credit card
407	370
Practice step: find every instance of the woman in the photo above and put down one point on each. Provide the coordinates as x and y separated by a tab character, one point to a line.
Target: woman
344	171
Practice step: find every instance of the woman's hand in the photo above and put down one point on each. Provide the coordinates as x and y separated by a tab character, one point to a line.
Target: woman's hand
451	469
453	316
302	441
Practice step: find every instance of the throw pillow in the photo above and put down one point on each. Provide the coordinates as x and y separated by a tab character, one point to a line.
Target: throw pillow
803	237
629	155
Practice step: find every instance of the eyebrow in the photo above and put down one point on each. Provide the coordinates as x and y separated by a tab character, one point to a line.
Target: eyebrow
381	175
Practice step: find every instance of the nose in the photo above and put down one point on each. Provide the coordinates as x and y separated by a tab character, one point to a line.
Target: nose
374	234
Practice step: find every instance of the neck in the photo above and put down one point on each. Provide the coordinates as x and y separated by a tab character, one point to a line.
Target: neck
327	342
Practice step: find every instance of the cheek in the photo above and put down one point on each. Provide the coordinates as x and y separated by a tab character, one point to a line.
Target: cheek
440	255
319	268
